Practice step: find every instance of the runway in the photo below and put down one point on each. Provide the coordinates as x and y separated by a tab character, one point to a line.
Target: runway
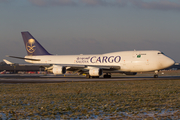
15	78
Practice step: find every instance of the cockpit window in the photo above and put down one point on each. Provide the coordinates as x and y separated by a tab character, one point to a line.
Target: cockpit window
160	53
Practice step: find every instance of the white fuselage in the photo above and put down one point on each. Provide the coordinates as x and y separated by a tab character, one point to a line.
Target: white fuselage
128	61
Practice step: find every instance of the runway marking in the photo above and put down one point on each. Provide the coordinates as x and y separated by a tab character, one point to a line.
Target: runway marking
60	79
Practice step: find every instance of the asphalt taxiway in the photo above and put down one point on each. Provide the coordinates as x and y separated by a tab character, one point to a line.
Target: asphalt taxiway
15	78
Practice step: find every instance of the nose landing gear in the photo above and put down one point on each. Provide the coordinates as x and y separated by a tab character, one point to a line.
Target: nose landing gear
156	74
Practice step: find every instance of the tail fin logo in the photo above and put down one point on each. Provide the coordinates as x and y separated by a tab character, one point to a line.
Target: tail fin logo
30	47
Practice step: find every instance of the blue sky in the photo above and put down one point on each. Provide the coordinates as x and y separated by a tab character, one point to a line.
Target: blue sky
91	26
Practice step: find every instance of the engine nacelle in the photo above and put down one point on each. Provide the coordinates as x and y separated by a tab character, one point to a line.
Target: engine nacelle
95	72
58	69
130	73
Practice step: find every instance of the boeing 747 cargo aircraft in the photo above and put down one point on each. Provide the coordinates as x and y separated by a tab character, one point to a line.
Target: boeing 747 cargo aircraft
95	65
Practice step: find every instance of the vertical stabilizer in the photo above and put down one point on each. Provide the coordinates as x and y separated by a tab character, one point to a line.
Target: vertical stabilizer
33	47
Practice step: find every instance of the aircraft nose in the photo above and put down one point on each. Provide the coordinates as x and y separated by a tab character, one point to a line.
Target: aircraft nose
169	62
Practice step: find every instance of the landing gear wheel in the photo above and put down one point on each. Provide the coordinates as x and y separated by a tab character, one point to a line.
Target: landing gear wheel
107	76
95	76
88	76
155	76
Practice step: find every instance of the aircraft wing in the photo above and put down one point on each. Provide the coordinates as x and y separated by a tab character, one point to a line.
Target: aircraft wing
85	68
75	68
72	66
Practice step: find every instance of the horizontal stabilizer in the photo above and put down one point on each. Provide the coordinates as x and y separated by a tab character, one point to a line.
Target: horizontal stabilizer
24	58
7	62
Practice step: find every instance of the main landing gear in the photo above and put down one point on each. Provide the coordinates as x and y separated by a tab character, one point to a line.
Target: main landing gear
88	76
107	75
156	74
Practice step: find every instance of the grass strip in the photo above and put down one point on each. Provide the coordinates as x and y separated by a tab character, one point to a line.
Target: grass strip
113	99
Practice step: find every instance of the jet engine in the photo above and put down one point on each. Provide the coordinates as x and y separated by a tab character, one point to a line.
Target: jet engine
95	72
58	69
130	73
